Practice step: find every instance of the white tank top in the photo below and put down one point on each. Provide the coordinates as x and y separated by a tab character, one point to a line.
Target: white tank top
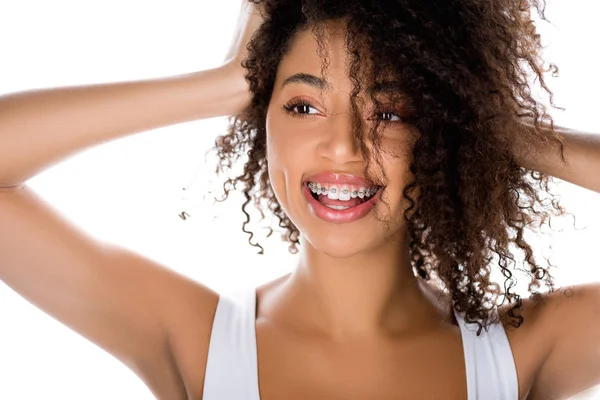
232	367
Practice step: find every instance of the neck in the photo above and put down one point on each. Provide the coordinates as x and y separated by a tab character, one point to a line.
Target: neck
366	295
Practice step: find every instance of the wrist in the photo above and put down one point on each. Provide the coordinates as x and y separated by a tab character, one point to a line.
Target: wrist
215	92
232	76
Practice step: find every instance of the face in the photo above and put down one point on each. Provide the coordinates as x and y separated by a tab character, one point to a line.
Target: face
311	148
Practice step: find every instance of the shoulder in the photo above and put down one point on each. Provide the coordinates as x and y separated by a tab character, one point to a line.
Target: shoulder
529	342
191	311
191	327
558	330
571	319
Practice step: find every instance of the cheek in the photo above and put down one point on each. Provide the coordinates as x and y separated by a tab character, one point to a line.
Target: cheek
393	154
395	159
286	159
276	141
287	146
279	151
398	144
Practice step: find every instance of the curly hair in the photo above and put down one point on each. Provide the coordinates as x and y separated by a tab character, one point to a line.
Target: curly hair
463	67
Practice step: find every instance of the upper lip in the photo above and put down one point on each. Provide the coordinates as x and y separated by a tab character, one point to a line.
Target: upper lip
334	178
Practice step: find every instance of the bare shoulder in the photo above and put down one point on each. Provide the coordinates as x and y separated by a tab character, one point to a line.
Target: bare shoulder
173	367
189	327
552	346
154	320
571	319
530	342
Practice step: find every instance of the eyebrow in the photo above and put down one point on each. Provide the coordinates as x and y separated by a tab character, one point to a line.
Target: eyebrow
307	79
316	82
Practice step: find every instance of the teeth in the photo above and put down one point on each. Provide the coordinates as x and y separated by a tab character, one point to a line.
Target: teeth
333	194
343	193
337	207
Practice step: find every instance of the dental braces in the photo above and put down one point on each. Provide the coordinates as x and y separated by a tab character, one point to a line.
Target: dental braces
318	189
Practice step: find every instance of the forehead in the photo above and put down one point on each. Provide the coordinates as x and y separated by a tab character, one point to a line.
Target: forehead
304	53
305	42
303	63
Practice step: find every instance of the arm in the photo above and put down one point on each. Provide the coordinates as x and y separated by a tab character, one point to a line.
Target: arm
154	320
42	127
569	319
582	156
123	302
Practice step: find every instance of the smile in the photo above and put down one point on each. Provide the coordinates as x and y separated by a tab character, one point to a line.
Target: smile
340	204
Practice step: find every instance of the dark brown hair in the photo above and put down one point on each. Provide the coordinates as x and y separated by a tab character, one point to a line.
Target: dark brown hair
463	67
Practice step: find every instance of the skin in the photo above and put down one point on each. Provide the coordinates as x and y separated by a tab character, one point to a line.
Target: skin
361	309
398	340
364	321
355	278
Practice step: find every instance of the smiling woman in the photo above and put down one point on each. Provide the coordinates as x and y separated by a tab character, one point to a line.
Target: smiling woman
400	149
429	107
447	107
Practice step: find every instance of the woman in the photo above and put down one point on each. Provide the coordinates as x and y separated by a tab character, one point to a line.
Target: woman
396	165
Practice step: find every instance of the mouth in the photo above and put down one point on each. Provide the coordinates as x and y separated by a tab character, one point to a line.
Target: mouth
338	196
341	203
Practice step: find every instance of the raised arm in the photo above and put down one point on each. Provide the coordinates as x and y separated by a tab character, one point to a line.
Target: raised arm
123	302
39	128
569	320
155	321
582	156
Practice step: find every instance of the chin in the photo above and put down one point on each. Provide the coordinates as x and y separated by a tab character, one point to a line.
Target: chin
343	243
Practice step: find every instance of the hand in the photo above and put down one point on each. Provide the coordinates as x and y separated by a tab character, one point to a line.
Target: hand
581	151
249	19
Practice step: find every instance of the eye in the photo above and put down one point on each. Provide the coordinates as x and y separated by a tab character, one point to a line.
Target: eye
390	115
299	108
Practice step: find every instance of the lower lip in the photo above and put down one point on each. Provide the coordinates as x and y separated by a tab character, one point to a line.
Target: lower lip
339	216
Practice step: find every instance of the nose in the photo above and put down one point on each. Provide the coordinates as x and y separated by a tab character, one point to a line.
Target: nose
338	143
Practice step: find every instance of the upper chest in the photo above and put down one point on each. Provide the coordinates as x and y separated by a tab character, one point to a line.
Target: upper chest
287	365
293	367
430	366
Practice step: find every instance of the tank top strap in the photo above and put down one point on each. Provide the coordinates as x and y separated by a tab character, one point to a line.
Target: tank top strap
490	367
232	368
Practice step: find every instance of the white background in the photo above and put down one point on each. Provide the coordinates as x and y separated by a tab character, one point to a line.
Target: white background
130	191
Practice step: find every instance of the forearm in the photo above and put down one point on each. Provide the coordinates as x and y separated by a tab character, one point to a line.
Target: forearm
582	156
40	128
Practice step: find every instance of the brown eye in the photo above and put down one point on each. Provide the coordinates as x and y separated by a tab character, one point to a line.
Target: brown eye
299	109
303	109
387	116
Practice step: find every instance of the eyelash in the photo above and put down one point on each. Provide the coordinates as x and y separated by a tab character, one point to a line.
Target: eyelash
289	108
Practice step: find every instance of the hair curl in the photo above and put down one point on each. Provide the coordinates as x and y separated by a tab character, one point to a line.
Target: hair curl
463	65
